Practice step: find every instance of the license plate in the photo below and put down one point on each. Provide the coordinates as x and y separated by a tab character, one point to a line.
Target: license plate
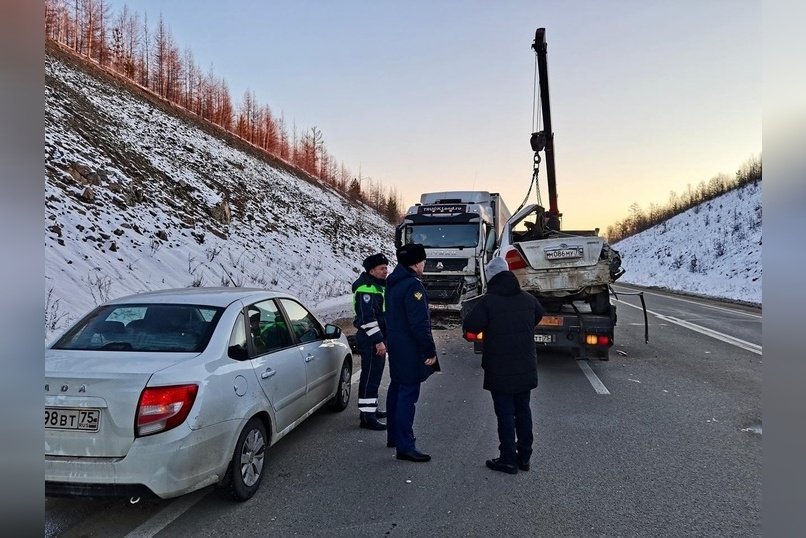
563	253
554	321
66	418
438	306
544	338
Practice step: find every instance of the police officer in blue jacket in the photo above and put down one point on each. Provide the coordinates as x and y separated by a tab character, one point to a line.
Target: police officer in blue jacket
370	337
412	353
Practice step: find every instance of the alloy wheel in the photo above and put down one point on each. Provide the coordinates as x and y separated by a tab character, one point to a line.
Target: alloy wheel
345	384
252	456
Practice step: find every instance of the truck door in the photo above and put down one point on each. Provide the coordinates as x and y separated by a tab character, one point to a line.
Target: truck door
489	243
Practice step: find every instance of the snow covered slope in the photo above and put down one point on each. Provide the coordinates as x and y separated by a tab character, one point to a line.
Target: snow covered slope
713	249
138	199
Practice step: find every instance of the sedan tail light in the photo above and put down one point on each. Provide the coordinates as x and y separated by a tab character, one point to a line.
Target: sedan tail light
514	260
163	408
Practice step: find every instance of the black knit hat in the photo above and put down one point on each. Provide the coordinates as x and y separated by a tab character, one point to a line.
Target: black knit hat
371	262
410	254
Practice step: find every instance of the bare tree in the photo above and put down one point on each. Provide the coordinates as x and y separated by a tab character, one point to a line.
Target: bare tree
285	150
270	133
246	124
145	54
189	80
343	179
55	19
161	44
317	147
306	153
102	18
223	106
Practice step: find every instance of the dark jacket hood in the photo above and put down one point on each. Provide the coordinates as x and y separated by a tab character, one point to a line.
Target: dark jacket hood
504	283
368	280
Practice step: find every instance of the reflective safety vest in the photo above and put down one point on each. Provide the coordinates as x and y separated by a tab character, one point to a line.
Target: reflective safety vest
371	289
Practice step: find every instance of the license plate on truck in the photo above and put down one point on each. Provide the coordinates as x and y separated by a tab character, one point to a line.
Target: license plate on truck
555	321
544	338
67	418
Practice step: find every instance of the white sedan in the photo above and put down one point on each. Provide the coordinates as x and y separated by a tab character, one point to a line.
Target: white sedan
170	391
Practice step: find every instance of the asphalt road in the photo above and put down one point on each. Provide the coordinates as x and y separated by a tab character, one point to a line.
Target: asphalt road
671	447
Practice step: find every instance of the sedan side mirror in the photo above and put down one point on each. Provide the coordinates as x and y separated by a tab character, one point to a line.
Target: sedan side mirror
332	331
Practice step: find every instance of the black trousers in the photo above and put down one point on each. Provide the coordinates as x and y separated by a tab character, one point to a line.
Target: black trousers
372	366
514	426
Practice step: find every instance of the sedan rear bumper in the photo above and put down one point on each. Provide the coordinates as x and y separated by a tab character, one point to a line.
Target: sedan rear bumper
168	464
76	489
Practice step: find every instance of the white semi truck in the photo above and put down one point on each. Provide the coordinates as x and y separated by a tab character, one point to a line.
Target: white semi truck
460	231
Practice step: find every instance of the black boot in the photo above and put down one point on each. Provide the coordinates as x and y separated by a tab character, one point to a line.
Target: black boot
370	421
380	414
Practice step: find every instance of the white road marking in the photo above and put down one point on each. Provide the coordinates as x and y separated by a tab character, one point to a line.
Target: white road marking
597	384
167	515
724	309
732	340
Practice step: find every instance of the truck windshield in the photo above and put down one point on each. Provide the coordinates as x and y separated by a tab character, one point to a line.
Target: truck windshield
443	235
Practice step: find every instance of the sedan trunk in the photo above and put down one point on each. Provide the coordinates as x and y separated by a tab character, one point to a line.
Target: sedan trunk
91	399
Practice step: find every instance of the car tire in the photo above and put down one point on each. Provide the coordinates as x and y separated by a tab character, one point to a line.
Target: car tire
248	463
342	398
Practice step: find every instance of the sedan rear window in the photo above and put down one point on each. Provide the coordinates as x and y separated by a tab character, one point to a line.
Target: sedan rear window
177	328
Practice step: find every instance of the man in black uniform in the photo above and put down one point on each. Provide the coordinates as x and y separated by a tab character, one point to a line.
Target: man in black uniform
370	337
507	316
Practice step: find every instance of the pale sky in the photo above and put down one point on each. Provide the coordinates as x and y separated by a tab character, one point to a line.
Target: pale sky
646	95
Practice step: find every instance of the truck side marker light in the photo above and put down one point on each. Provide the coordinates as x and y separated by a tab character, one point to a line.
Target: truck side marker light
474	337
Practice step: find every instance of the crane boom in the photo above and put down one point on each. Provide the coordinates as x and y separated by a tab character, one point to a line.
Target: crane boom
547	135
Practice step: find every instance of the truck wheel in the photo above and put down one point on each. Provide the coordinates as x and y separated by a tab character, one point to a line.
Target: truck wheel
603	354
600	303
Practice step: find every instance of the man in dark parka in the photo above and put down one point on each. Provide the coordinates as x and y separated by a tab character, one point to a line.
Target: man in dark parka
412	353
507	316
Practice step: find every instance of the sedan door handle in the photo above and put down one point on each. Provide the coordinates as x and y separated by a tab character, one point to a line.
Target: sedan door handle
309	358
268	373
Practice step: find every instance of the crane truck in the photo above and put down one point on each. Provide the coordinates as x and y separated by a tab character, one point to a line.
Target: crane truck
569	271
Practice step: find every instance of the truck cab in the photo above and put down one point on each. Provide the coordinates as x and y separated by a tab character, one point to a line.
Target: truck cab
460	232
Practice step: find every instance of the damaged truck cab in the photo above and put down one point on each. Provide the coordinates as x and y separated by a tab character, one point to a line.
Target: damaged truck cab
460	230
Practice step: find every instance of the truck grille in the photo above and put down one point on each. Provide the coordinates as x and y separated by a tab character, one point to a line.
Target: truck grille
432	265
443	289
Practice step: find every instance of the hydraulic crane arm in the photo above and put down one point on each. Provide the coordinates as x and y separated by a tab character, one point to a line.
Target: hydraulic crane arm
545	139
